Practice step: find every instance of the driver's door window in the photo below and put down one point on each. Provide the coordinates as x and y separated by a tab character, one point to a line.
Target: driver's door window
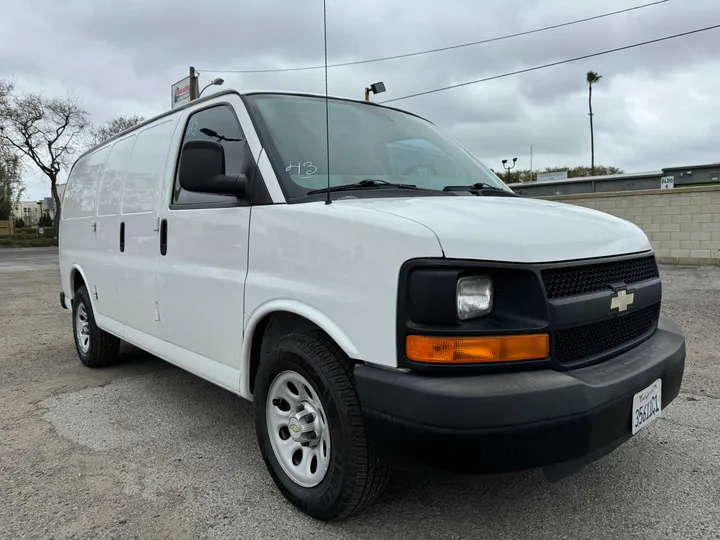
218	124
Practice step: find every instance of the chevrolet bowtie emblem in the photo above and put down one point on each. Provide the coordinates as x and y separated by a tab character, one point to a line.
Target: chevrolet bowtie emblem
622	301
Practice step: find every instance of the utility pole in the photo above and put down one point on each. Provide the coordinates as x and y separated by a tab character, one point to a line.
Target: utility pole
193	84
531	164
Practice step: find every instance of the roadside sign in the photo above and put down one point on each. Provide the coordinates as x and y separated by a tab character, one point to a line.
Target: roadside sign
180	93
667	182
41	230
551	176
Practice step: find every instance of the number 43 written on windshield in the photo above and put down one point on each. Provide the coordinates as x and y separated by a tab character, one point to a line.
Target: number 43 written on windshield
308	168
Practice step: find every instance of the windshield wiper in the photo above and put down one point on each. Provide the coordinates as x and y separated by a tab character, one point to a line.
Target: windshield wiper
482	187
368	183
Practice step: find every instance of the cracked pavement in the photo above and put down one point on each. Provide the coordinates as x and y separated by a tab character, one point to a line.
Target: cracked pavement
145	450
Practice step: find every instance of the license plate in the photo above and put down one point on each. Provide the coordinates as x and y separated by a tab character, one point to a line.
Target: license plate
647	406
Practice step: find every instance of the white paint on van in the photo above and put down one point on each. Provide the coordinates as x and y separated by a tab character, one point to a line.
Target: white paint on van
136	267
79	198
113	177
227	268
107	241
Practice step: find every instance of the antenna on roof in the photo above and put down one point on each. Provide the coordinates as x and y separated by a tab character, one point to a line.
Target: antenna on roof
327	106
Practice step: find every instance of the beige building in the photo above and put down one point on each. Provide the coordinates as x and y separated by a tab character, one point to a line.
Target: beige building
31	211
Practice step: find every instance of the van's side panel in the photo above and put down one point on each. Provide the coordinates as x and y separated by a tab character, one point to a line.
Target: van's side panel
107	237
201	277
77	235
137	264
343	277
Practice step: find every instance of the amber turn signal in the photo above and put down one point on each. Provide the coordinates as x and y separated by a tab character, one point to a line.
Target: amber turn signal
477	350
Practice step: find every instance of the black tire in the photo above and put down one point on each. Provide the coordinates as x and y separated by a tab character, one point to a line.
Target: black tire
354	478
103	347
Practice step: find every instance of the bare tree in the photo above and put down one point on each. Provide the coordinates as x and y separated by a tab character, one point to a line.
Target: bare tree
113	127
592	78
46	131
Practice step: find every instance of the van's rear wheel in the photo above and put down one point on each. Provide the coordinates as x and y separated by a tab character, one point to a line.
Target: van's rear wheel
310	428
95	347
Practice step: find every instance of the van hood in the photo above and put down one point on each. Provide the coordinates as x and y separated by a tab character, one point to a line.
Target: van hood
514	229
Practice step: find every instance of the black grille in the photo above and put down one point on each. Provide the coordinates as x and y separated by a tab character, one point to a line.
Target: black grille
584	341
576	280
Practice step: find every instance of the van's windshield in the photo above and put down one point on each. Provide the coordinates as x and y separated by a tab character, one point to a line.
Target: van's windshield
366	142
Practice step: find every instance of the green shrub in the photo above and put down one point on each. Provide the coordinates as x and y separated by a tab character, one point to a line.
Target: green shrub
9	241
45	221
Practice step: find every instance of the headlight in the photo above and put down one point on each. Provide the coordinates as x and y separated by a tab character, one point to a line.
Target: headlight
474	297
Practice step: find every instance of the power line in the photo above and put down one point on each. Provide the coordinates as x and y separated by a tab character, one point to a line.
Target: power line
552	64
429	51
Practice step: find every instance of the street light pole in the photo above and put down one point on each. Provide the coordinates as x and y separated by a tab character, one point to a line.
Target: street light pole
216	82
508	168
531	164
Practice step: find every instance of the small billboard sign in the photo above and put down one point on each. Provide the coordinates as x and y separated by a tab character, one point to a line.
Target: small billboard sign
180	93
552	176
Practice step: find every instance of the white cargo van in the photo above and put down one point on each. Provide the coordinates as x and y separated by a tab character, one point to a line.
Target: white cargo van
416	313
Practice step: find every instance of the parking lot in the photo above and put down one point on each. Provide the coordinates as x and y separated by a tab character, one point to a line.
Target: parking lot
144	450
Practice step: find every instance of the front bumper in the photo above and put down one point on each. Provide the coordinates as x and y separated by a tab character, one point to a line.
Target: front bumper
506	422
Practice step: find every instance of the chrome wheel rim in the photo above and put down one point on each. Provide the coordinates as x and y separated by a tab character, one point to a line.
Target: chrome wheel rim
298	429
82	328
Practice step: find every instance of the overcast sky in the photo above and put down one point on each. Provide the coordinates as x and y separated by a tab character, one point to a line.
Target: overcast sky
656	106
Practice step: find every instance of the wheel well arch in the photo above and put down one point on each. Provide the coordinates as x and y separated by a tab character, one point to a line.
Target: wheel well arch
275	324
272	326
77	280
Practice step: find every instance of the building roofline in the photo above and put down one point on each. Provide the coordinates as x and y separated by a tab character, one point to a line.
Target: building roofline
689	167
581	179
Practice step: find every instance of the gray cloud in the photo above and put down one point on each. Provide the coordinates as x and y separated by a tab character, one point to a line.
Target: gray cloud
655	106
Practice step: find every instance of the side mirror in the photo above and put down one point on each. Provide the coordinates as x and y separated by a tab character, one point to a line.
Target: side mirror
202	169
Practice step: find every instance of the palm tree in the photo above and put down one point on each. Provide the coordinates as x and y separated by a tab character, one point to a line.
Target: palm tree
591	79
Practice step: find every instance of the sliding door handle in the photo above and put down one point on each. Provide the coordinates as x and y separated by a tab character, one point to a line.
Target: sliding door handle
163	237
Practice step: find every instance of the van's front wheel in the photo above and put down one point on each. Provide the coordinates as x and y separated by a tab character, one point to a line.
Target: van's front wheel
95	347
310	428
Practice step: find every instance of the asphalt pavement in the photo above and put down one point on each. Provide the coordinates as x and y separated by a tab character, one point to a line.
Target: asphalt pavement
18	260
145	450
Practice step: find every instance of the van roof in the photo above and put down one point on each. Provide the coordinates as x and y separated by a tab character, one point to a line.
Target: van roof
227	92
